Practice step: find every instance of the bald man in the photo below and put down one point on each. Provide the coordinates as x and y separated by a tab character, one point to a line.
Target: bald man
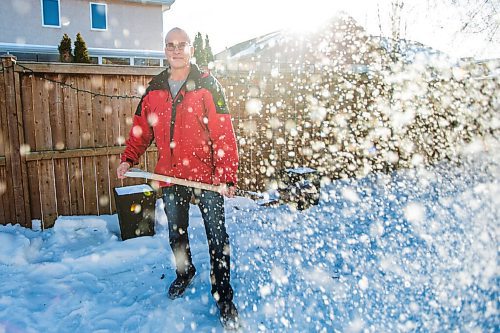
184	110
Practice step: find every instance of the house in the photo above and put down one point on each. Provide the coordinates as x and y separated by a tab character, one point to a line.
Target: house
340	43
125	32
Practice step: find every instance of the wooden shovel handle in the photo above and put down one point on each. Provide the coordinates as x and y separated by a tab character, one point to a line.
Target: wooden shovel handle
138	173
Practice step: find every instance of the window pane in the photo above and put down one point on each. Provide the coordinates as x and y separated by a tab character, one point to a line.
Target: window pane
139	62
115	61
154	62
43	57
98	16
47	57
25	56
50	10
146	62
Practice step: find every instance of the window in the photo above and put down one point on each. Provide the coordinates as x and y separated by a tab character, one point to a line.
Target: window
50	13
43	57
115	61
98	16
147	62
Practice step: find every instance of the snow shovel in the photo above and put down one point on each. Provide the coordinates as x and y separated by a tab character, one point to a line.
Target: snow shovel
138	173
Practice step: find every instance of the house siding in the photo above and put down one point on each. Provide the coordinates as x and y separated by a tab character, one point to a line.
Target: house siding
130	25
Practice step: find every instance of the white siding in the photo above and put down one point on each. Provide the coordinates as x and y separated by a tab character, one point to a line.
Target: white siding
130	25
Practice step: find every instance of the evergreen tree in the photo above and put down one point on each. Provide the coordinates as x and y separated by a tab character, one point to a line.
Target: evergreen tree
65	49
199	52
81	52
209	56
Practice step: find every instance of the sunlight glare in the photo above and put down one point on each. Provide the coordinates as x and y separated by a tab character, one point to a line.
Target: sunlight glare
302	18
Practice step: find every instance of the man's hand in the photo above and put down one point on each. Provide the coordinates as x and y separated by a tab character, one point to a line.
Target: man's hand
227	190
122	168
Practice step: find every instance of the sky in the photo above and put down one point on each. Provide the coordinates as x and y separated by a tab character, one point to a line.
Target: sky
228	22
412	251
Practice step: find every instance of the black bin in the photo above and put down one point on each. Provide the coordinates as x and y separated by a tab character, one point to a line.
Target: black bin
135	206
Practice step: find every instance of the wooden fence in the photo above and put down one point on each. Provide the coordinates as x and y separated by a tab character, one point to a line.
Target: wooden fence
63	127
61	138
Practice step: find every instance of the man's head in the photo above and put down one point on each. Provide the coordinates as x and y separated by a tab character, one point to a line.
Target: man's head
178	48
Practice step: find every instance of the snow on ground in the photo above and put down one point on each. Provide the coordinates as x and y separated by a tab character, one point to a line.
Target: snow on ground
416	250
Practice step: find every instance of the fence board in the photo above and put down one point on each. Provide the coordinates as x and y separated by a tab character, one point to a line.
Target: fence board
100	140
58	125
143	83
4	209
72	118
22	181
6	181
30	140
129	84
72	133
34	189
28	113
136	84
114	161
89	185
43	141
151	159
13	126
77	203
62	187
43	136
150	163
98	112
43	131
48	193
4	199
102	177
56	114
85	112
87	140
113	108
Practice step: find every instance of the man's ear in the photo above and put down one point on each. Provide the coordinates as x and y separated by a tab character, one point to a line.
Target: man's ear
192	51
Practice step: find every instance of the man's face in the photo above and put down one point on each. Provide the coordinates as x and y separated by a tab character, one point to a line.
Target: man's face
178	50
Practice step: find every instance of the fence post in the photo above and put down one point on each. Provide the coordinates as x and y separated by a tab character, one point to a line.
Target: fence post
15	162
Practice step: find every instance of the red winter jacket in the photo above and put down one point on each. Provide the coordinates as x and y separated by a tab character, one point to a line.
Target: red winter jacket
193	130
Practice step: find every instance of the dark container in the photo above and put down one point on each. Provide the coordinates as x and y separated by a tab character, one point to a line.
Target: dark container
135	206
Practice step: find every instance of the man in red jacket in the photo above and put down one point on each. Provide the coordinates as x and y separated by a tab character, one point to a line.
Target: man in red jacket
185	112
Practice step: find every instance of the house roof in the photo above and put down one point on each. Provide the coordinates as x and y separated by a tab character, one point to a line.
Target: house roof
265	47
154	2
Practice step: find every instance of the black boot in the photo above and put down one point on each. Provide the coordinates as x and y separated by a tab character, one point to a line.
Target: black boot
229	315
180	284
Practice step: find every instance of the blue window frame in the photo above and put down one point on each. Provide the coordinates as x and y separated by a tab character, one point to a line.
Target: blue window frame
98	16
50	13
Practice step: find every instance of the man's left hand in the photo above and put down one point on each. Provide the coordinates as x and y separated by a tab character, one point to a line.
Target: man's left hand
227	190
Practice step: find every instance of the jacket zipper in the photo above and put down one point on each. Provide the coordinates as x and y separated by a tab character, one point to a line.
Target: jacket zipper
176	101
